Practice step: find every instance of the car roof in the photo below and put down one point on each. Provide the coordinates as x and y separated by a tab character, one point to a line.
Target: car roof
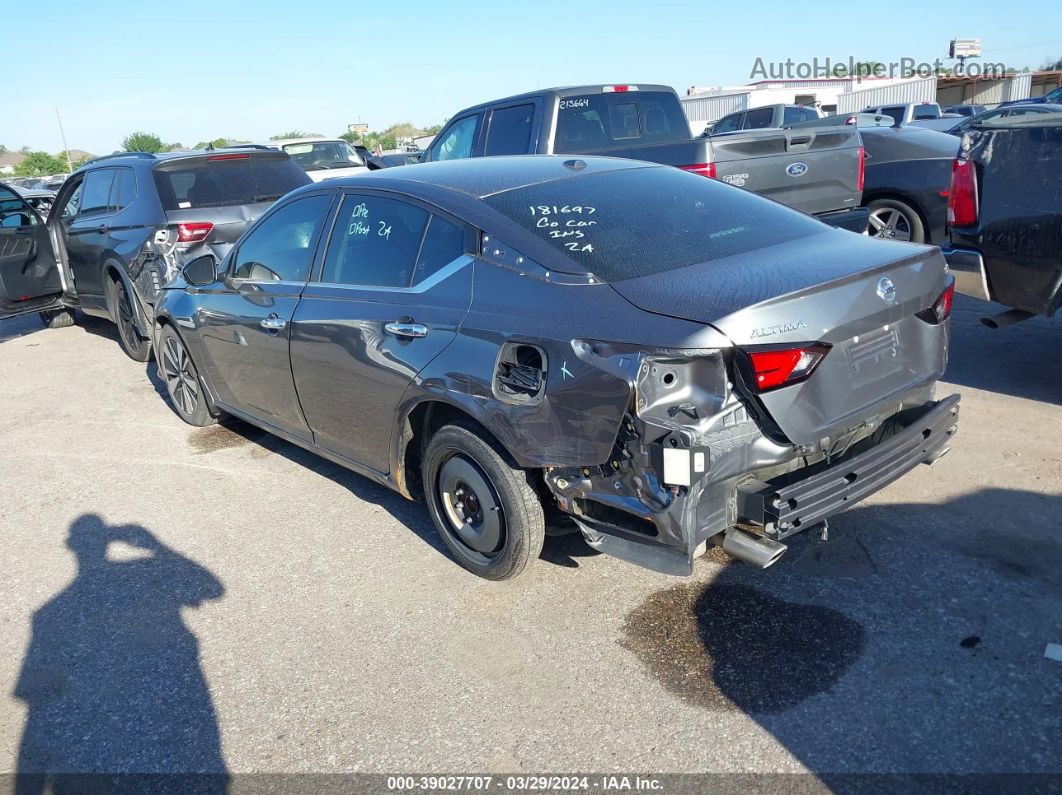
480	177
563	91
306	140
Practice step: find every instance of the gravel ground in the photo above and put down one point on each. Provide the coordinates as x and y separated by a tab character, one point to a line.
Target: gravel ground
180	599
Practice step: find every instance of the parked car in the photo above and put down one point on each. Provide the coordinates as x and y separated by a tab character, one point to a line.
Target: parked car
965	110
768	116
907	112
991	116
39	199
905	186
1005	216
1051	97
396	159
123	225
813	171
663	387
323	158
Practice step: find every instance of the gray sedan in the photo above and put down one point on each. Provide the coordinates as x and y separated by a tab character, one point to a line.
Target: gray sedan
660	359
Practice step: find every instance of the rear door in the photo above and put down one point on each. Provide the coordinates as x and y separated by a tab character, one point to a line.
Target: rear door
29	273
394	286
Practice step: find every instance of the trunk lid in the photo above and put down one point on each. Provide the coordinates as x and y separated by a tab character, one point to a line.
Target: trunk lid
817	290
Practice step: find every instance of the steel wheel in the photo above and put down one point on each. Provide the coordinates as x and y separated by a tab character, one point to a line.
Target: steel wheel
889	223
471	507
180	376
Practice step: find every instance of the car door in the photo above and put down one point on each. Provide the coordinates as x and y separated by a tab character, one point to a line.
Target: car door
29	272
244	322
393	289
731	123
85	220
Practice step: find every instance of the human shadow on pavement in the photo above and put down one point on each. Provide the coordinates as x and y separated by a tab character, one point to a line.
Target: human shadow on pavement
911	642
116	697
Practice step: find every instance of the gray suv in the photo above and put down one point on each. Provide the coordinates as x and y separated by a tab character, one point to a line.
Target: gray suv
123	225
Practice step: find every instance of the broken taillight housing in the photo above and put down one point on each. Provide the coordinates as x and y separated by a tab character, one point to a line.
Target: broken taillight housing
942	306
777	367
962	198
193	231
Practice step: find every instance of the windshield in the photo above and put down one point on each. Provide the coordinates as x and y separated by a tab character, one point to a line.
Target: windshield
641	221
321	155
224	180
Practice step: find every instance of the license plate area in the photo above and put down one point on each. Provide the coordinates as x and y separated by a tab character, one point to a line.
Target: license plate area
874	354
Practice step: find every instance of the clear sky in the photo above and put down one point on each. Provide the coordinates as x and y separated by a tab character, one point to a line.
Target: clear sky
191	70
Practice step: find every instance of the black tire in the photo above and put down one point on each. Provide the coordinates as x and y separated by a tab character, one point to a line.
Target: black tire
58	318
484	506
892	219
135	346
183	384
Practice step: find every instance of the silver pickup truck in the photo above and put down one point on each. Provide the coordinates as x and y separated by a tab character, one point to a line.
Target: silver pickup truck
817	171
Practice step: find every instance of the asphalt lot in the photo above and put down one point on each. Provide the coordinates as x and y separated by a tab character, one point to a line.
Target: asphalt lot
259	609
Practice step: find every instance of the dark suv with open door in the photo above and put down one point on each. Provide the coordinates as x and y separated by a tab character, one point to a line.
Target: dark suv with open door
123	225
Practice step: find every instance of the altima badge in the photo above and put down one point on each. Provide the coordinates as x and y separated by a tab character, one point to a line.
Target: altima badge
886	290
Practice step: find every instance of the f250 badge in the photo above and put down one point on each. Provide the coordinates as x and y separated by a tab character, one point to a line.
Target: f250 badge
735	179
781	328
796	169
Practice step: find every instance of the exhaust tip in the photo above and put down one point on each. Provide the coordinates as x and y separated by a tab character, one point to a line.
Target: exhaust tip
756	550
1008	318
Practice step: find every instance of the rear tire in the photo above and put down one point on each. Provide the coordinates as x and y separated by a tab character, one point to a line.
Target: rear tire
483	505
183	384
133	344
892	219
58	318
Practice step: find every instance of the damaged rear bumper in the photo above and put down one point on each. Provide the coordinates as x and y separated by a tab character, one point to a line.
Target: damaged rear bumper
801	499
667	535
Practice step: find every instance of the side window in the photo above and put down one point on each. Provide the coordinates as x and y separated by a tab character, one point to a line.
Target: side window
656	120
73	203
895	111
457	141
729	123
124	190
374	242
281	247
510	131
96	193
443	243
790	115
758	119
623	119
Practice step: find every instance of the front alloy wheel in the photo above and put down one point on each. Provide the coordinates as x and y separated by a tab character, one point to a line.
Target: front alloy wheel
182	381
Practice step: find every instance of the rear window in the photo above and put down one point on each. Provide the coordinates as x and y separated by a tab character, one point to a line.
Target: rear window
598	121
927	110
636	222
226	181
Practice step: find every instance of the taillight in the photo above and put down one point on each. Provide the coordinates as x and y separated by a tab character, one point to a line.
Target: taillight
704	169
229	157
852	120
618	89
784	366
962	198
942	306
193	231
862	168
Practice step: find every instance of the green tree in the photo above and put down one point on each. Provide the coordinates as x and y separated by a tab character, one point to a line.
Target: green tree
3	149
349	137
40	164
295	134
142	142
433	130
76	162
1051	66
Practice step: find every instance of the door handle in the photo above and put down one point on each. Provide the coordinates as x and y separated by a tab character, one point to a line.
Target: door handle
102	229
404	329
272	323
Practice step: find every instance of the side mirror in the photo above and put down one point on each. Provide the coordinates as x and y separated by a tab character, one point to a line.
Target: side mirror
201	271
